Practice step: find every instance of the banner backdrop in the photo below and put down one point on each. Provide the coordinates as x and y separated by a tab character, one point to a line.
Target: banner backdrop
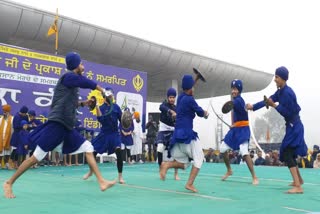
28	77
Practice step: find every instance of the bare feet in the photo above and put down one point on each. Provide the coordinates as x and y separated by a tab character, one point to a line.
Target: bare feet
176	177
229	173
107	184
295	190
121	181
86	176
163	170
191	188
7	189
255	181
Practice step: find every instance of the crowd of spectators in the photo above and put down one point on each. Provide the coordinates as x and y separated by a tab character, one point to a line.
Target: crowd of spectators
271	158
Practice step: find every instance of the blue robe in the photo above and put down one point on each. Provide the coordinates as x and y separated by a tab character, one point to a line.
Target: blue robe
164	137
109	138
288	108
16	123
238	135
23	141
187	108
126	140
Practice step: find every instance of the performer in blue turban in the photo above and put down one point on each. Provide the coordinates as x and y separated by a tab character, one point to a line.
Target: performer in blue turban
166	128
61	123
185	144
293	143
238	136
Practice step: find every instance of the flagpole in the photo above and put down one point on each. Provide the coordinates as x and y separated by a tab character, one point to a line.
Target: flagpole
57	33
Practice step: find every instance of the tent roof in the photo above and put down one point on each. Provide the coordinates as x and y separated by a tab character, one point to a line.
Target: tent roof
25	26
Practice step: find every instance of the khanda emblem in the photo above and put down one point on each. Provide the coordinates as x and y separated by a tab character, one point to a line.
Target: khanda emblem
137	82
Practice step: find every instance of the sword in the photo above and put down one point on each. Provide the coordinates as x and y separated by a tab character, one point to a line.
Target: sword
252	134
218	115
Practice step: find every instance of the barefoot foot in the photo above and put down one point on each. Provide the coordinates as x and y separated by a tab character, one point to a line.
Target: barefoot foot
86	176
255	181
191	188
229	173
177	178
107	184
7	189
295	190
121	181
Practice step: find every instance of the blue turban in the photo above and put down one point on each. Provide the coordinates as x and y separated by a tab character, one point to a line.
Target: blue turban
237	84
32	113
283	73
171	92
187	82
23	122
24	109
73	60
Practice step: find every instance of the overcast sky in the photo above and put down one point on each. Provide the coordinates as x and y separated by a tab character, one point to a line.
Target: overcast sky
262	35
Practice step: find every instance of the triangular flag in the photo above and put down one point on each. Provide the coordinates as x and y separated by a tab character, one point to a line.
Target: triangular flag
52	30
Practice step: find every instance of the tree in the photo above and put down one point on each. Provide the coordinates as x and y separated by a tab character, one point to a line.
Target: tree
276	124
260	128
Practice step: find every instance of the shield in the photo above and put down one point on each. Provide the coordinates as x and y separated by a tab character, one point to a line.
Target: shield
126	119
227	107
199	75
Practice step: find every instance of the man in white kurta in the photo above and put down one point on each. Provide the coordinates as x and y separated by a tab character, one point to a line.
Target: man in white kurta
137	137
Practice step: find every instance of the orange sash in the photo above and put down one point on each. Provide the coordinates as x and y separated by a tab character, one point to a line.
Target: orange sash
241	123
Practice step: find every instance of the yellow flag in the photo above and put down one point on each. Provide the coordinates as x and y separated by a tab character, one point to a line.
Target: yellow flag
54	27
52	30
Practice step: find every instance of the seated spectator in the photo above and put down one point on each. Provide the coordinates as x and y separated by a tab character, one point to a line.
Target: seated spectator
275	157
316	162
268	160
260	160
210	156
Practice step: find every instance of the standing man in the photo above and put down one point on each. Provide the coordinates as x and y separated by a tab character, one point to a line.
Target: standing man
152	128
166	128
238	136
60	125
293	143
137	135
15	138
185	144
6	130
